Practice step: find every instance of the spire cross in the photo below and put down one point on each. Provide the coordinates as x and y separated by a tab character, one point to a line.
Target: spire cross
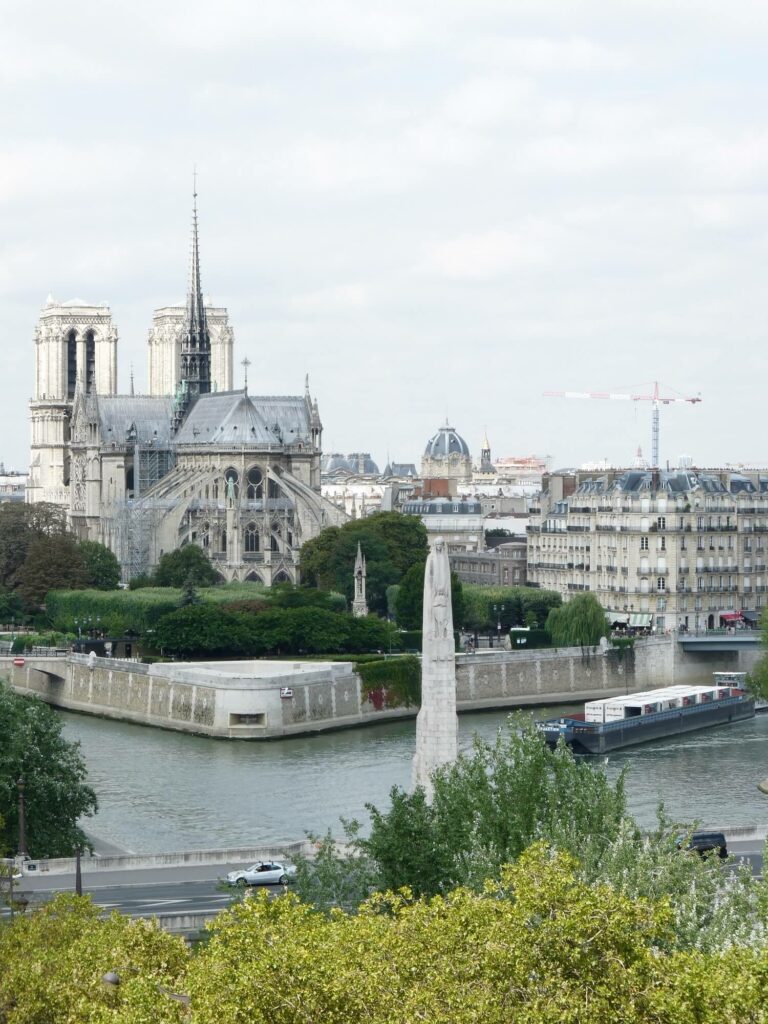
245	364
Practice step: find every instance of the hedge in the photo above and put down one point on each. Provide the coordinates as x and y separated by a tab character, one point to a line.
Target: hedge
392	682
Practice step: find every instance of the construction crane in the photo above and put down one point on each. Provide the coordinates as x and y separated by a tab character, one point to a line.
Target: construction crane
656	398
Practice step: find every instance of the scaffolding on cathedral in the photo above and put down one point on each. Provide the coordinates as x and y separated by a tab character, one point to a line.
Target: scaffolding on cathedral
139	516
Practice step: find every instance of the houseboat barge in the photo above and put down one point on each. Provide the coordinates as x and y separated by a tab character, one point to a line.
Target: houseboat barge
616	722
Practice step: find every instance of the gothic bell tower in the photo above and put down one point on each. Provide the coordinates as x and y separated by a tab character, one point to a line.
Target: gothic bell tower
75	346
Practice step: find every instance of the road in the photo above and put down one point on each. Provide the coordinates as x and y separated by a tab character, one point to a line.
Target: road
195	890
145	893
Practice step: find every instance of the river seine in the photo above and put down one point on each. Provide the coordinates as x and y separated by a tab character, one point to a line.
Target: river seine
161	791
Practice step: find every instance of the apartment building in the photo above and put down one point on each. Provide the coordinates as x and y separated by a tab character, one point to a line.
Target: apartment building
502	566
675	549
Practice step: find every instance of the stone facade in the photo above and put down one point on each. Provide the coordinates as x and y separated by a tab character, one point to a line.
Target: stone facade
682	549
192	462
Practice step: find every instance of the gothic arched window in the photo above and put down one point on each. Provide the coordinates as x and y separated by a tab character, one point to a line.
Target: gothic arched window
254	487
71	363
90	362
251	538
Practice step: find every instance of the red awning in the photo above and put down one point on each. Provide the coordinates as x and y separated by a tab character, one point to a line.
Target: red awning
731	616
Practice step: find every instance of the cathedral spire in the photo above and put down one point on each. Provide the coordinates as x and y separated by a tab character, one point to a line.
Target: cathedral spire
196	324
196	341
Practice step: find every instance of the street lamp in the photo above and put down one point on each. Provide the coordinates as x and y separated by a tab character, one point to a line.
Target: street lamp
498	610
22	818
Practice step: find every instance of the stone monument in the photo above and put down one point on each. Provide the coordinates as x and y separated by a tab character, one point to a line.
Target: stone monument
360	603
436	724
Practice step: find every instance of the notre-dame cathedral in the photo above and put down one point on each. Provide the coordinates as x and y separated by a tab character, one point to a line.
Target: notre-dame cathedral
194	461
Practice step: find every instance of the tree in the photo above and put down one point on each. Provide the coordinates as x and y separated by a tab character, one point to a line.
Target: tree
51	563
410	599
580	622
201	631
390	542
757	680
102	569
186	563
19	526
54	961
488	807
54	773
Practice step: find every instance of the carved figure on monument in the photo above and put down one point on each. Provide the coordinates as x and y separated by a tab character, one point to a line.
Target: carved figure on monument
437	577
78	500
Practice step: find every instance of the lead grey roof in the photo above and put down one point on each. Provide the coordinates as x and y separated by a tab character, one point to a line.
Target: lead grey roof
141	418
235	417
446	442
400	469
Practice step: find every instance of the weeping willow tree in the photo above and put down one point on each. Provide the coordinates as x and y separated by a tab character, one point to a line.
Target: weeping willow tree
580	622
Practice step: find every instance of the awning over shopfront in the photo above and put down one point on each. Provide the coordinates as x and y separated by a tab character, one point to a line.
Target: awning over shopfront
751	616
617	618
731	616
640	620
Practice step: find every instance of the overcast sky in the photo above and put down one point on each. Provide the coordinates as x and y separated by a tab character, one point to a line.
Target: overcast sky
436	209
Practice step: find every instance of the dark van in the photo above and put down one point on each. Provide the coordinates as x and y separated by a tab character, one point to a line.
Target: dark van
705	842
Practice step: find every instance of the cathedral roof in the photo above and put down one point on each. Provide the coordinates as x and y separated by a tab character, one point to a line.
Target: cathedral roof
135	417
234	417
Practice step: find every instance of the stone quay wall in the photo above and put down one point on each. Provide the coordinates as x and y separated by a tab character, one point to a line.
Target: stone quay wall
271	700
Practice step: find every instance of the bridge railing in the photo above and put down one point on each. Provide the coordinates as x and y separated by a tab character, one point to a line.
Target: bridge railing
717	634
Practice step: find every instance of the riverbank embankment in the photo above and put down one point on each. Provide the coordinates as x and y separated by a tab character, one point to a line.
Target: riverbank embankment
277	699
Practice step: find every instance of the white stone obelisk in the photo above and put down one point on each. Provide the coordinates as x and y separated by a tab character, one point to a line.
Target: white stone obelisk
437	723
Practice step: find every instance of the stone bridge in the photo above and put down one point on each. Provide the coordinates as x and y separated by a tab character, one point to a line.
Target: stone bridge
715	641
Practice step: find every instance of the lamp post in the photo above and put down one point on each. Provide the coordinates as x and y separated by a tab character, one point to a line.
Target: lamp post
498	610
22	818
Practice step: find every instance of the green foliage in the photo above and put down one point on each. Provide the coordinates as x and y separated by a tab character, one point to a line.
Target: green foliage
26	641
489	806
210	630
56	792
120	612
200	631
540	946
532	639
102	569
190	562
11	608
19	526
51	563
580	622
54	960
331	878
410	639
515	606
410	598
392	682
541	943
757	680
285	595
139	582
390	542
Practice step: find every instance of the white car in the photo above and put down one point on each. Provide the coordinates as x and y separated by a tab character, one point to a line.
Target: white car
266	872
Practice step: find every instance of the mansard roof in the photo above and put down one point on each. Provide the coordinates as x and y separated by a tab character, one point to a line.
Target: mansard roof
234	417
